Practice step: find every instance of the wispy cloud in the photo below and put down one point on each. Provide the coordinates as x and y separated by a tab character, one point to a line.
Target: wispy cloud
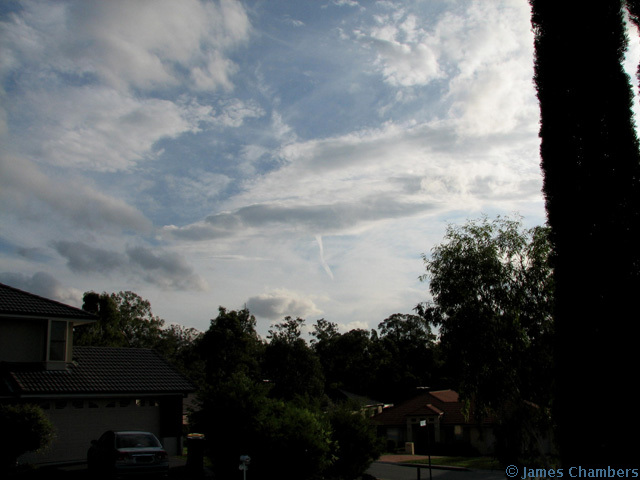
297	162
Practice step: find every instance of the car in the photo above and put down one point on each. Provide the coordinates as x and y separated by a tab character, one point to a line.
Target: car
123	453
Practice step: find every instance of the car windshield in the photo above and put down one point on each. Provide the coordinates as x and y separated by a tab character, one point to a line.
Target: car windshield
136	440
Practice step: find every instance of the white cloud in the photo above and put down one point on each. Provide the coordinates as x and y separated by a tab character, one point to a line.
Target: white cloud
92	78
103	130
140	44
30	194
405	54
483	52
280	303
312	167
43	284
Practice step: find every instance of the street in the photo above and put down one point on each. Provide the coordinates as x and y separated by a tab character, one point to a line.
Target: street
388	471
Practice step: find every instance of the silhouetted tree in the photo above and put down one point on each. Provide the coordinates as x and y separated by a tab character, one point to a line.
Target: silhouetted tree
290	365
125	320
407	362
492	294
231	345
591	168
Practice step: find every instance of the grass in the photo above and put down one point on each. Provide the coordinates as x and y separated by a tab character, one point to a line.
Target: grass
476	463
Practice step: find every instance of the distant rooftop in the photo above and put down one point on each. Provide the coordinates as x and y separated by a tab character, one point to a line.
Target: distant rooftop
14	301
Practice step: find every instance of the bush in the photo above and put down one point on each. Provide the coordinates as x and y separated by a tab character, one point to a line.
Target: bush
24	428
357	444
284	440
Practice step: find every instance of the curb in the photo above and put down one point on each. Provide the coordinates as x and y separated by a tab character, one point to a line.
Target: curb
425	465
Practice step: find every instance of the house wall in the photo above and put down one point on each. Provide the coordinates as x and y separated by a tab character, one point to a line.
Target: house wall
22	340
78	421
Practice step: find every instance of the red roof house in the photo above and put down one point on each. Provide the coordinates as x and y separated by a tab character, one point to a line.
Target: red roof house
434	422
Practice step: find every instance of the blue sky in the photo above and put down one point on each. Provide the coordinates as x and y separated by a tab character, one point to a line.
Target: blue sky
296	157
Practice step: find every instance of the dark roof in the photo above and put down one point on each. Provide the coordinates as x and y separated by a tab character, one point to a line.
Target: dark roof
14	301
100	370
441	402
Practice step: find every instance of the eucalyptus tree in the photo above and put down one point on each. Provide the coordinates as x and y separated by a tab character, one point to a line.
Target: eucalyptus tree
492	290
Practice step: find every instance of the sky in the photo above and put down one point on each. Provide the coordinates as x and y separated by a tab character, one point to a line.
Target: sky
294	157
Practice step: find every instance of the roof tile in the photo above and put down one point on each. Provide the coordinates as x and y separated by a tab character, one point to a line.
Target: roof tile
103	370
14	301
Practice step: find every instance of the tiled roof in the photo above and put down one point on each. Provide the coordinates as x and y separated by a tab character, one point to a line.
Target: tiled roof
444	402
14	301
101	370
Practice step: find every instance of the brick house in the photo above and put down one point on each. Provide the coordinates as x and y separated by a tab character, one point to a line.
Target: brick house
83	390
434	421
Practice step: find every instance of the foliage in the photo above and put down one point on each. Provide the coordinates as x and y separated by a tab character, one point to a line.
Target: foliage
492	301
231	345
125	320
350	361
179	345
356	443
25	428
591	166
291	366
409	361
284	440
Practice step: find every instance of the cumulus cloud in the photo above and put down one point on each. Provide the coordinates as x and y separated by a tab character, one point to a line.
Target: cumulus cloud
280	303
406	54
481	52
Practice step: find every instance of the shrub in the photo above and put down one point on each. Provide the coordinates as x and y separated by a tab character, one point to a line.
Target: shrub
25	428
357	444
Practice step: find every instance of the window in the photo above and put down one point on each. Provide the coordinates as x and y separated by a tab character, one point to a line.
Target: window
58	341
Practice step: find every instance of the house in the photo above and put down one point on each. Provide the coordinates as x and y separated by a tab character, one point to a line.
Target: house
83	390
368	407
434	422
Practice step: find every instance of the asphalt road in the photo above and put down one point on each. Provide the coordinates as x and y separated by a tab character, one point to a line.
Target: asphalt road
389	471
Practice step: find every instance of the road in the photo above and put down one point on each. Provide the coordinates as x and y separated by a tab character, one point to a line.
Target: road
389	471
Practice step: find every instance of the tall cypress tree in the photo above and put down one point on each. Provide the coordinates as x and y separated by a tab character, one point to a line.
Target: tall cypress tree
591	167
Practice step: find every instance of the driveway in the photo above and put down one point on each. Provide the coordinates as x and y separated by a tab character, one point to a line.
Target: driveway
177	471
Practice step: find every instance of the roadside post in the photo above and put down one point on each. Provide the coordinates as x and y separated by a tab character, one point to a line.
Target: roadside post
195	453
244	465
423	424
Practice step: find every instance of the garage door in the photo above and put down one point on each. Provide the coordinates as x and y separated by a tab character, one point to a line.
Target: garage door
77	422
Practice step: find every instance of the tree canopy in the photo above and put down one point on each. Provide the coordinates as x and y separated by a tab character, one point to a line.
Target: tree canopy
492	291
